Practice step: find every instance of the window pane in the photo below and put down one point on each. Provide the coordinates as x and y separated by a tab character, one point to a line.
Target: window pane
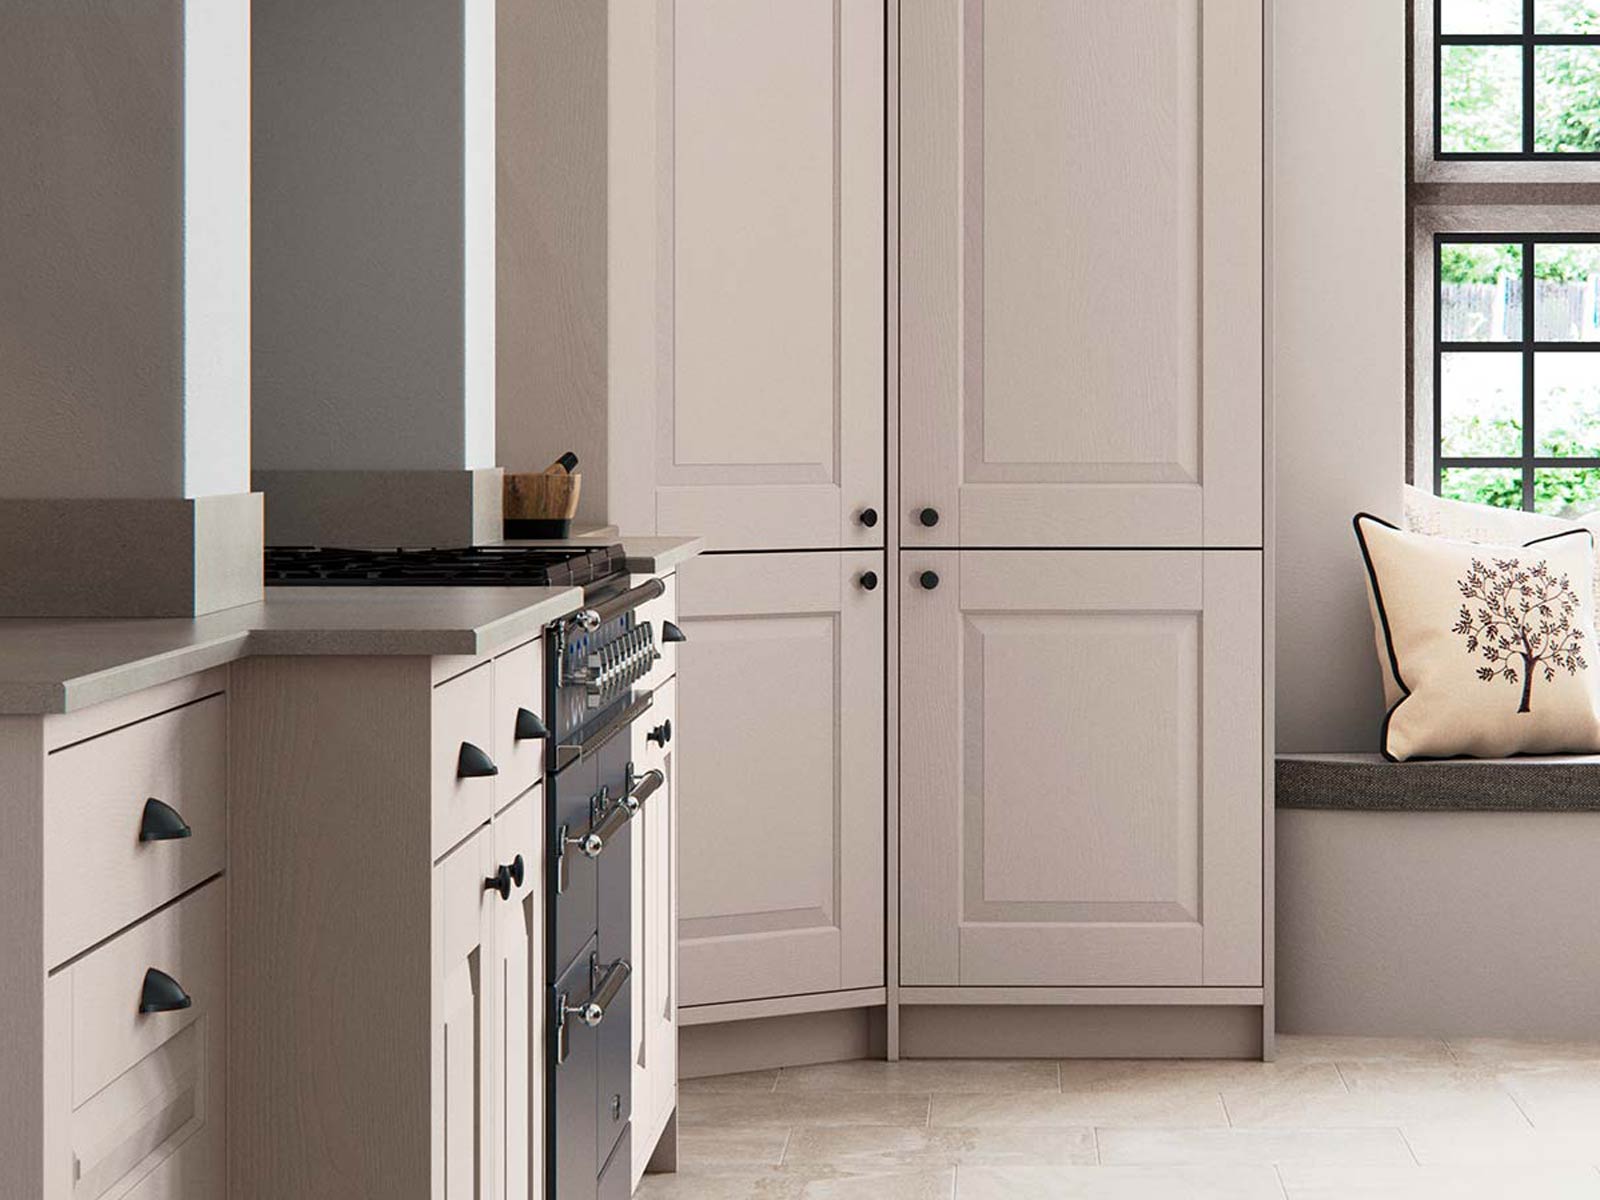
1567	292
1480	105
1480	405
1500	486
1480	292
1567	399
1566	99
1566	492
1480	16
1565	16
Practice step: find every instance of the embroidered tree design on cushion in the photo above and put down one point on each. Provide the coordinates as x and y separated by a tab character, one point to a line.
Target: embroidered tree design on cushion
1520	620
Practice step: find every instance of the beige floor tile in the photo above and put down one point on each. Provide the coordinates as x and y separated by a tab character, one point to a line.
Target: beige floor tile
1563	1097
1440	1183
908	1148
1208	1147
729	1145
1316	1048
754	1110
1199	1075
1117	1183
1178	1109
1451	1145
747	1081
923	1075
893	1185
822	1183
695	1185
1403	1076
1526	1053
1376	1108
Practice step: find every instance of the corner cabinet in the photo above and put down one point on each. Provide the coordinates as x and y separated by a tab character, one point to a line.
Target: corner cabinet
1081	272
781	685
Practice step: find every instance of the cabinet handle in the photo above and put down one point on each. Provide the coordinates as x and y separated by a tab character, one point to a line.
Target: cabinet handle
868	517
500	882
671	633
473	763
929	517
519	870
529	726
162	993
929	580
868	581
661	734
161	823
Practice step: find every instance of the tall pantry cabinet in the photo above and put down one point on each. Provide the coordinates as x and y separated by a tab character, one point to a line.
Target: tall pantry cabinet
958	305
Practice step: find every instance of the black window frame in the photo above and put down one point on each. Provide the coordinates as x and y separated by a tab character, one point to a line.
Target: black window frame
1528	40
1528	462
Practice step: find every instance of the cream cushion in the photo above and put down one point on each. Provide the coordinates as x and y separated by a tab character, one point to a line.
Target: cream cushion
1486	650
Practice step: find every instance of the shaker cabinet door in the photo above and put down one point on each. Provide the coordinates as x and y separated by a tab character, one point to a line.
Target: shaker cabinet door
463	1093
781	800
1081	758
1081	273
519	1002
764	405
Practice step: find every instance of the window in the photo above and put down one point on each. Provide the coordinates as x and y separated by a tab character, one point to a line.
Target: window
1516	80
1516	379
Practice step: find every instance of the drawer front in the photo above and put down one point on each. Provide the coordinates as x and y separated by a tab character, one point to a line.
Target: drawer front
463	737
140	1100
518	750
162	775
663	608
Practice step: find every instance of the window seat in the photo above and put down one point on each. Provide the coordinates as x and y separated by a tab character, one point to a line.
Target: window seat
1370	783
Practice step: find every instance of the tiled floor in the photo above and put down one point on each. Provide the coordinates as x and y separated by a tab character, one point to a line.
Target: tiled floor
1332	1119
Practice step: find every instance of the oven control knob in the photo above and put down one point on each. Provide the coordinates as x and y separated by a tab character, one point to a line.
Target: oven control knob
586	619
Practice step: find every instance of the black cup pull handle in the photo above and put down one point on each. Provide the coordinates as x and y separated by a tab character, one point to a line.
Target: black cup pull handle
162	993
529	726
162	823
473	763
671	633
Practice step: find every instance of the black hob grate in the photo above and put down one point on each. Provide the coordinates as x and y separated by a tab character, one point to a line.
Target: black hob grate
459	566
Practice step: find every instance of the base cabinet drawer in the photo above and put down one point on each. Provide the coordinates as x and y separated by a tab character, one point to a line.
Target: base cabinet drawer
464	770
134	1046
133	818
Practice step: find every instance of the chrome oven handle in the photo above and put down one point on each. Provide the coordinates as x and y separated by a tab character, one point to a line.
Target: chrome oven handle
641	790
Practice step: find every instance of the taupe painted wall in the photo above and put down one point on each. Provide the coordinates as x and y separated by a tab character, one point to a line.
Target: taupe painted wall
373	225
124	328
1339	246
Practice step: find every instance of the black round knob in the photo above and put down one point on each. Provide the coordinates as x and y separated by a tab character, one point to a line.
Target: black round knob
868	517
500	882
519	870
869	580
661	734
929	517
929	580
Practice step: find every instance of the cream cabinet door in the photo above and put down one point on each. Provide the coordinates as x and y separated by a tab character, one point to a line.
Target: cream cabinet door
463	1093
768	412
518	1044
1081	769
780	771
1081	272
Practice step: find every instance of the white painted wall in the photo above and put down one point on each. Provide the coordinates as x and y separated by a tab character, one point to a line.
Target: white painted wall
1338	283
373	228
124	185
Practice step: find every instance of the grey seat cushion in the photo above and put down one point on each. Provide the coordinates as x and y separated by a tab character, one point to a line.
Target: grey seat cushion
1366	782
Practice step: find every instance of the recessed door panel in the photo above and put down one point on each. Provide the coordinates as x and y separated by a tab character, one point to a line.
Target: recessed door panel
1090	811
770	264
1081	272
781	797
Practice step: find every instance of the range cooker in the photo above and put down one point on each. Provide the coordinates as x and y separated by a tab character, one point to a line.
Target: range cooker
595	662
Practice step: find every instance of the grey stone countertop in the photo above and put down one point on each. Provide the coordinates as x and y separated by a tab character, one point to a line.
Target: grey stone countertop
645	555
60	665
